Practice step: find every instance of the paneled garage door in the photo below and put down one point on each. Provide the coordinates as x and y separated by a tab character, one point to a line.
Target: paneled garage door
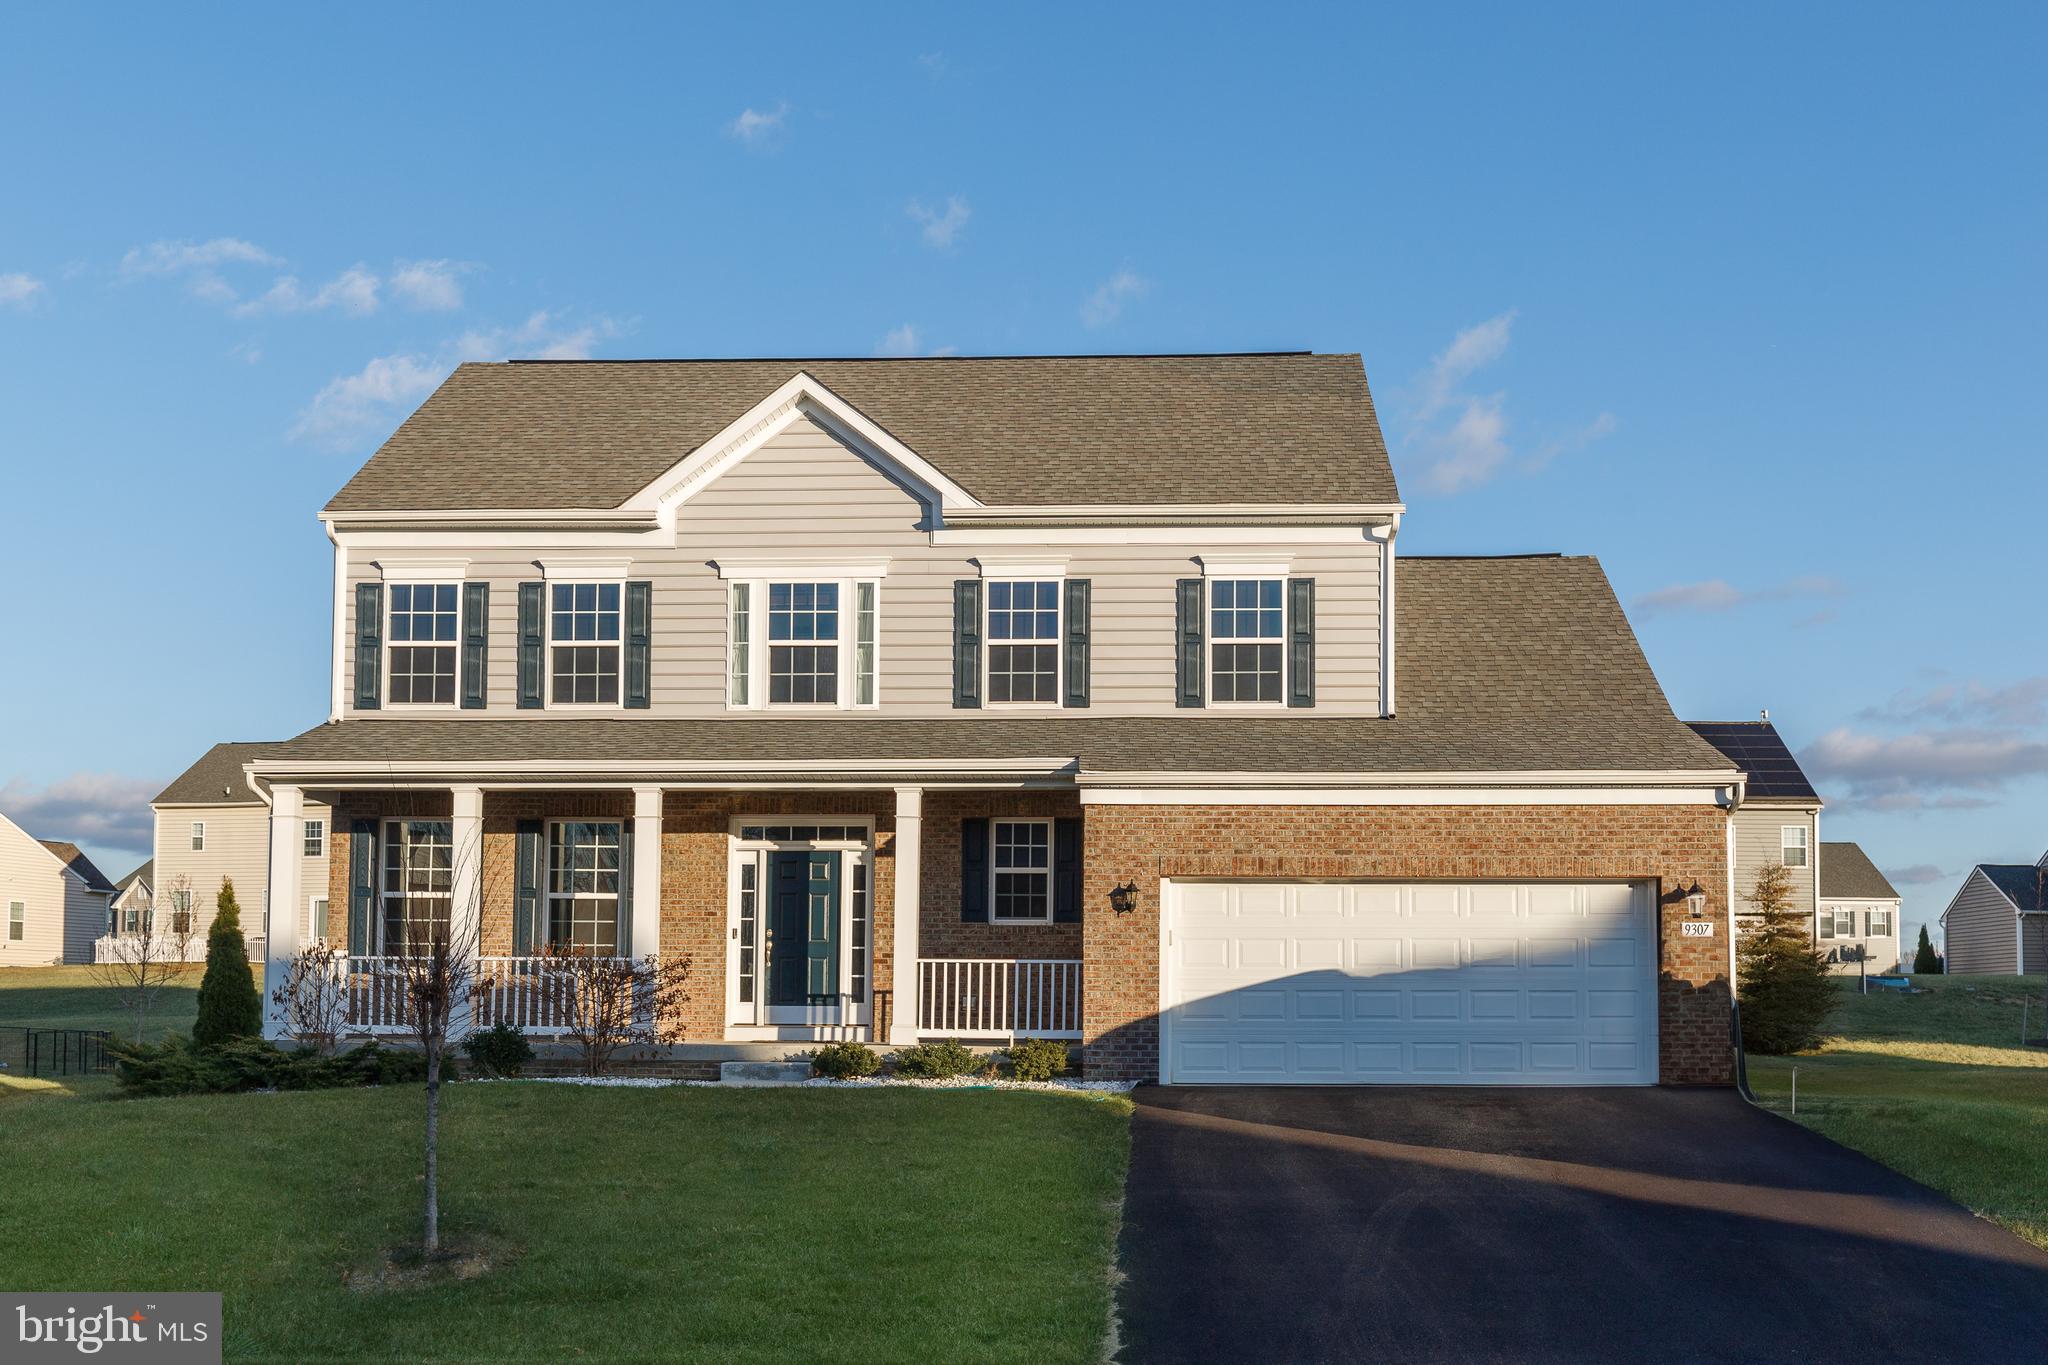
1422	983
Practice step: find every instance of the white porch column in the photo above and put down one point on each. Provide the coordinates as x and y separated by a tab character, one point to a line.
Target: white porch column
281	902
909	860
466	893
646	873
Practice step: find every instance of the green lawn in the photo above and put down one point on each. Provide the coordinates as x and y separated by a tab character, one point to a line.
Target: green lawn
1937	1086
74	997
674	1223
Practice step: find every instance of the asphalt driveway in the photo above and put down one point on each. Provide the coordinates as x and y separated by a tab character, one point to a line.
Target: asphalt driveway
1396	1224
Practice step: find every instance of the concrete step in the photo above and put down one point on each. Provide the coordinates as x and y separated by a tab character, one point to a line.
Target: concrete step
764	1073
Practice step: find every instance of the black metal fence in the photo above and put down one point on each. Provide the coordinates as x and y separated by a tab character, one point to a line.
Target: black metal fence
30	1051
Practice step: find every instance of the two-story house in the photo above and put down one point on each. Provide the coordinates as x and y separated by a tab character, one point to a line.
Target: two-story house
1077	697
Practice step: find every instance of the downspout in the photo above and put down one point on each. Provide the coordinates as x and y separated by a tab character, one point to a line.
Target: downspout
1387	621
334	703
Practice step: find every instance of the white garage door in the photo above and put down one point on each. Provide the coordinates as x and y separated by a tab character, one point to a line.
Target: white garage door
1422	983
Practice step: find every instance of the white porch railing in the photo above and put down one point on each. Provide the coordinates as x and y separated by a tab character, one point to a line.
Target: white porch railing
982	997
521	991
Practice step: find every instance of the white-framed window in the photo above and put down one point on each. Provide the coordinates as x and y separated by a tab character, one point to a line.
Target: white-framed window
1878	923
799	643
17	921
316	919
1022	634
316	838
181	912
421	634
1020	872
1792	845
584	643
583	886
742	643
418	885
803	644
1836	922
199	836
1247	641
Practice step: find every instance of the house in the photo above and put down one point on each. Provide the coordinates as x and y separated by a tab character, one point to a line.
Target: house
133	900
1997	921
1859	911
211	826
55	900
1779	819
1071	697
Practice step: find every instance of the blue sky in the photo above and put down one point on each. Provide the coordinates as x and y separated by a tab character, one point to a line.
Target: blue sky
1745	300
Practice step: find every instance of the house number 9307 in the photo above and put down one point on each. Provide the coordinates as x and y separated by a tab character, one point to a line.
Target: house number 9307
1696	928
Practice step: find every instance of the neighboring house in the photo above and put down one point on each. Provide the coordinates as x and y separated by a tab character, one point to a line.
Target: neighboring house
1779	819
54	900
133	900
212	826
1859	910
1067	697
1998	920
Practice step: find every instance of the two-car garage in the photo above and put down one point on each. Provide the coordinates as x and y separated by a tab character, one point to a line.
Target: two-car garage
1420	983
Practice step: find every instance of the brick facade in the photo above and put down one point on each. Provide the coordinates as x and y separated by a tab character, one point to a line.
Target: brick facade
1671	846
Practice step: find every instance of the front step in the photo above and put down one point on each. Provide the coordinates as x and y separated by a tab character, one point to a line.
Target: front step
764	1073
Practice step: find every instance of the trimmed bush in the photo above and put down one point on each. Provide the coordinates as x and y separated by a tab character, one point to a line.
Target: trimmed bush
937	1061
845	1061
499	1050
178	1067
229	1006
1037	1059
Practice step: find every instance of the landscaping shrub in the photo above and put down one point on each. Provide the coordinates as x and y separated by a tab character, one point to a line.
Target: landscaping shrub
1926	962
229	1006
1037	1059
845	1061
179	1067
936	1061
499	1050
1786	991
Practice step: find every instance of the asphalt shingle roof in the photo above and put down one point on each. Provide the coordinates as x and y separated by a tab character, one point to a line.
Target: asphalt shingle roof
144	874
1053	430
1756	747
2021	883
1515	664
216	779
1847	874
76	860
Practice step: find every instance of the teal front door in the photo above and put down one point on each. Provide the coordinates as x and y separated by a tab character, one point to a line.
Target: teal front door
803	927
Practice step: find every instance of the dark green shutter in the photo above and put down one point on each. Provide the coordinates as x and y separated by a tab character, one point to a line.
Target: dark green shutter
369	646
476	634
974	871
626	889
639	632
1187	654
532	645
1076	660
1066	870
362	884
526	925
967	642
1301	641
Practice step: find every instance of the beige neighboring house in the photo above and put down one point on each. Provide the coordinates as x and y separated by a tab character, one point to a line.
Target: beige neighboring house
1998	920
54	899
1779	818
1859	909
134	898
211	826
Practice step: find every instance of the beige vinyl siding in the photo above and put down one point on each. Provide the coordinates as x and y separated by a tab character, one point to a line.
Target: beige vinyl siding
237	847
1758	843
805	495
31	874
1882	951
1980	933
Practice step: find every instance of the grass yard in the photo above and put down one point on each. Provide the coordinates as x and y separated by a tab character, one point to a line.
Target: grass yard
1937	1086
75	997
673	1223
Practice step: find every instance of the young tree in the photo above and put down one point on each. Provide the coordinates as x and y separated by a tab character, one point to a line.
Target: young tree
229	1006
1926	961
314	996
136	966
605	1003
1786	992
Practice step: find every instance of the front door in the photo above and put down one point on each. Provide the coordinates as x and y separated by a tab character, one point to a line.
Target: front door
803	927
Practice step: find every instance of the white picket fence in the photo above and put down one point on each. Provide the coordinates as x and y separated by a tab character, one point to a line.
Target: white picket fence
987	997
517	990
130	948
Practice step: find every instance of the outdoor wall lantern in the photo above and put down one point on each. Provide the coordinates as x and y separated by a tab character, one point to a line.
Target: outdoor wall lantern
1695	901
1124	899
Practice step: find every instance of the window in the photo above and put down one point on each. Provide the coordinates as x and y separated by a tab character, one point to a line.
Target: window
316	838
742	640
17	921
803	643
1245	633
1879	923
857	934
1022	869
583	886
1792	844
1837	923
804	834
419	882
583	633
316	920
131	920
864	644
422	634
199	836
749	914
1023	642
181	912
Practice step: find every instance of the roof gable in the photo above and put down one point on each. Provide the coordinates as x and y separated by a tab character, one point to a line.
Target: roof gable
77	864
216	779
1846	873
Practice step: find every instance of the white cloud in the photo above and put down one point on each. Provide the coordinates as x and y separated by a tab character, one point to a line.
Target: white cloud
353	291
1919	874
1471	449
430	286
177	258
1471	350
1718	594
941	228
757	128
19	291
1572	442
100	809
1106	304
2024	703
899	341
1943	768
